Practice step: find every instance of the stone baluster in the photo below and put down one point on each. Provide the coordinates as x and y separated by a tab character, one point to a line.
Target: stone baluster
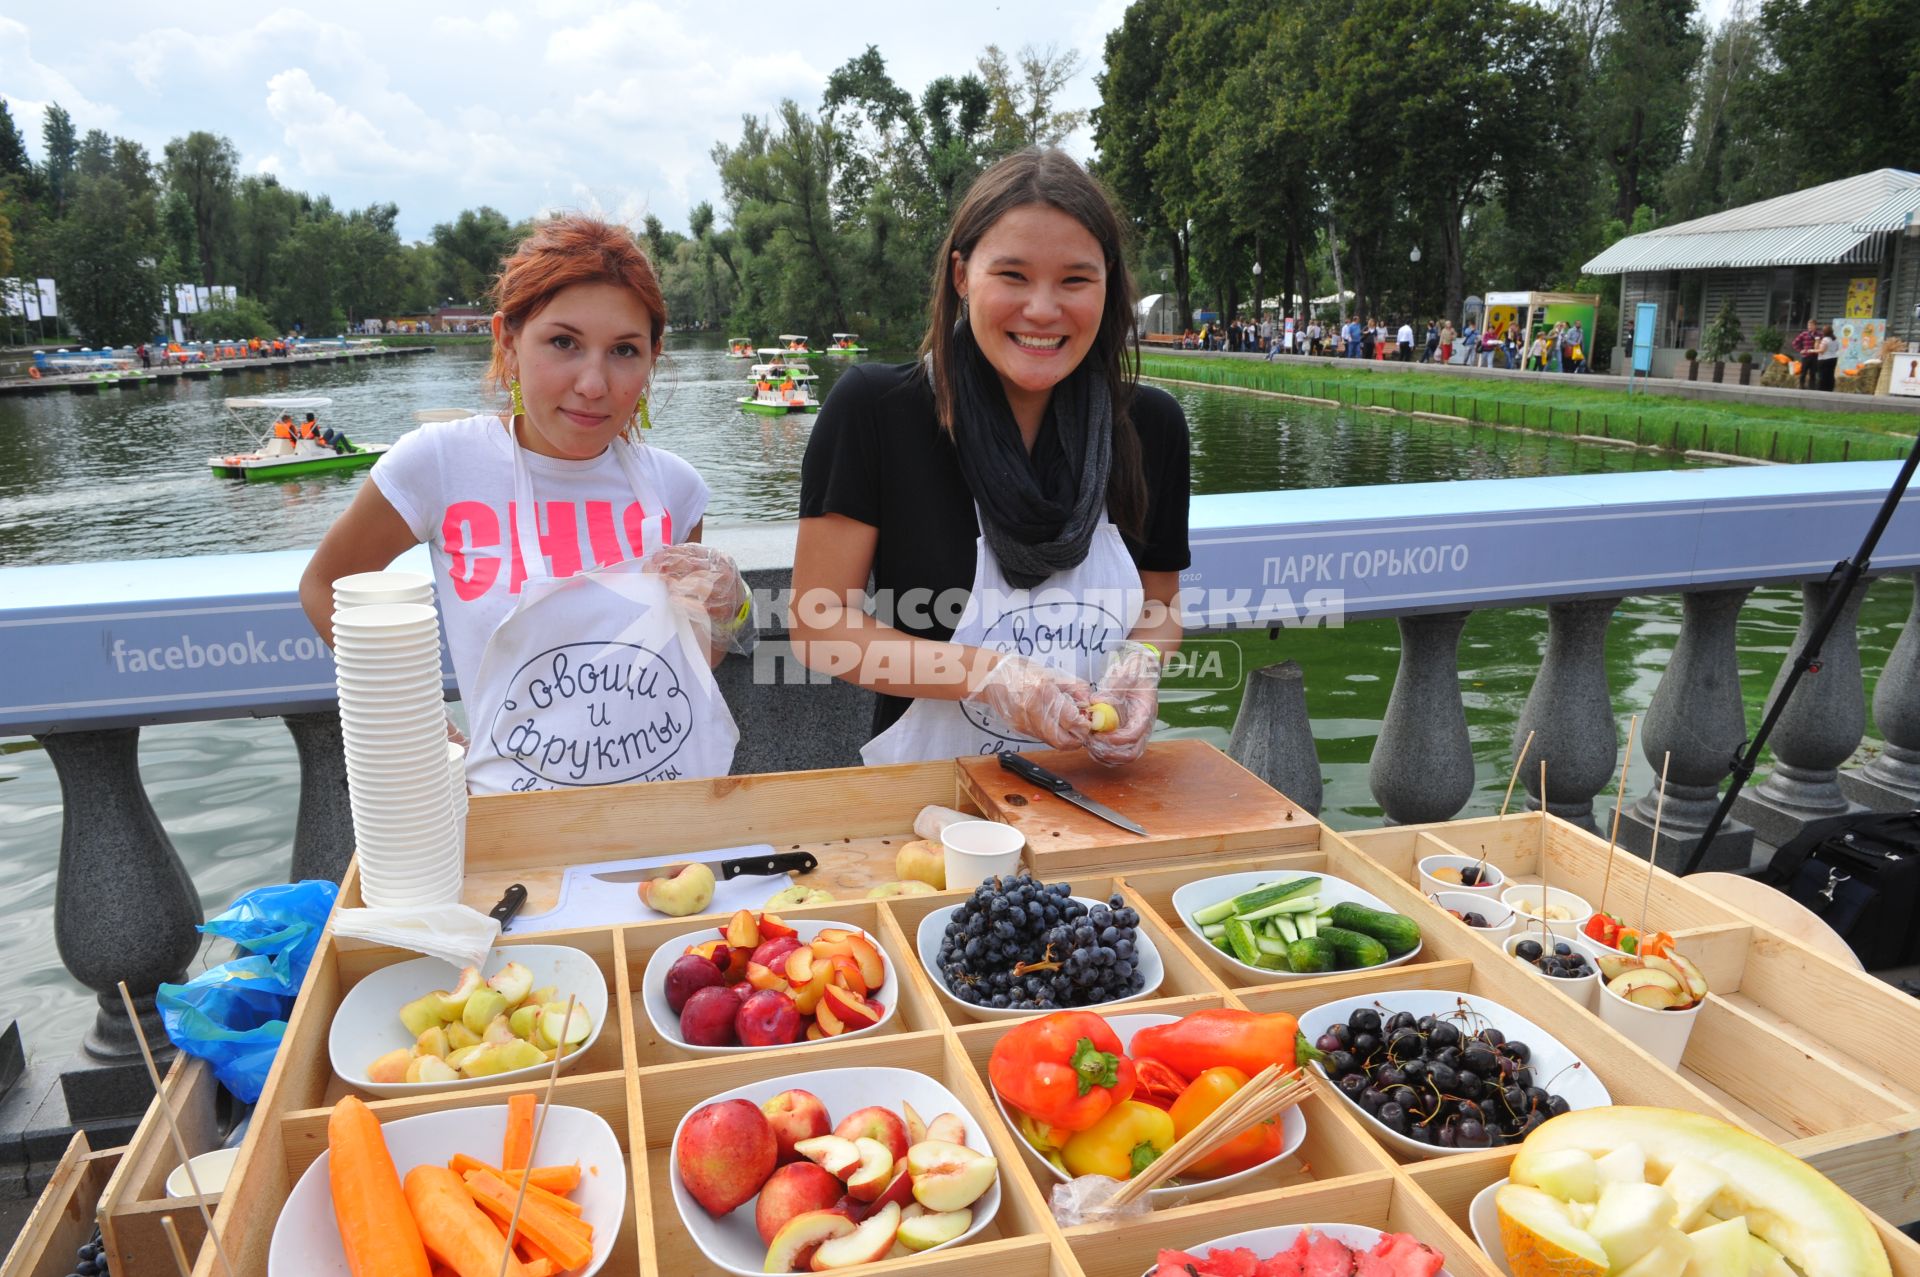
323	835
1696	716
1422	769
1891	782
1272	737
1570	713
1819	729
124	907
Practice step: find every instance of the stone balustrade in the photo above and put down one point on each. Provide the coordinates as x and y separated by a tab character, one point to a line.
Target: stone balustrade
126	909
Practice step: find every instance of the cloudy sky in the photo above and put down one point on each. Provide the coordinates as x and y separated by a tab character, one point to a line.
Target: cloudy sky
542	104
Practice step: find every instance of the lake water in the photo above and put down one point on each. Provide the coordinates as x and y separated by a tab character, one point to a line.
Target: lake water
122	475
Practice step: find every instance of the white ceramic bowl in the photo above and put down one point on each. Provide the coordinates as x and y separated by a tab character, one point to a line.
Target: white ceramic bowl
1265	1243
733	1242
306	1240
1293	1130
1431	884
209	1169
1484	1218
1500	919
1147	963
1584	990
1524	900
1195	896
367	1024
1549	1058
653	987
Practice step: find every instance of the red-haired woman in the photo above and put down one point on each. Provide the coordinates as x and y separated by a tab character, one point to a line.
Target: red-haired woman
582	615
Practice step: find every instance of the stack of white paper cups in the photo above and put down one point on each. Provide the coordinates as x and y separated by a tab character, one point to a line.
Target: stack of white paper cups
364	589
387	670
457	787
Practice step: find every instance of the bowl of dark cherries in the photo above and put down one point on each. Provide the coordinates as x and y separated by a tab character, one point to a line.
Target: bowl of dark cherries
1569	965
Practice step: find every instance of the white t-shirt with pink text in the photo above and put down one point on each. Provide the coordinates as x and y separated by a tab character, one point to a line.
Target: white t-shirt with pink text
452	481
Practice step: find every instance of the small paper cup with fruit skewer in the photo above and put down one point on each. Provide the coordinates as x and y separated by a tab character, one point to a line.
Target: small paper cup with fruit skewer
1652	1001
1496	921
1583	989
1449	873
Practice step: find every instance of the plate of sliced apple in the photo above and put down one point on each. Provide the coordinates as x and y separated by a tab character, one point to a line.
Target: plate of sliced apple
831	1169
426	1025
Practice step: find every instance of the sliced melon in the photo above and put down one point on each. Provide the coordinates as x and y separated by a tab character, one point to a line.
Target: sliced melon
1764	1261
1541	1238
1570	1175
1693	1185
1667	1258
1719	1250
1624	1165
1630	1220
1792	1207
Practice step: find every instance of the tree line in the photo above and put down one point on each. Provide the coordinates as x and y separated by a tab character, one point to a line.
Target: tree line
1506	141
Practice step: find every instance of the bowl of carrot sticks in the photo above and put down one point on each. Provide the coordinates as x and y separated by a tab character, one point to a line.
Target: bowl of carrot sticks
442	1190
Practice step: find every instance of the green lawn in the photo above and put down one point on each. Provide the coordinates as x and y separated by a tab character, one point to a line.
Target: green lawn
1747	430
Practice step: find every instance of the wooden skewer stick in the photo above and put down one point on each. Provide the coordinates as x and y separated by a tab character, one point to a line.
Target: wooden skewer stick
539	1126
1546	931
1653	851
1516	773
1480	869
179	1252
1260	1099
1619	797
173	1126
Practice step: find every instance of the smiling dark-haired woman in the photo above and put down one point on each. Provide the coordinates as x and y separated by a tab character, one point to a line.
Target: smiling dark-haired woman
1017	502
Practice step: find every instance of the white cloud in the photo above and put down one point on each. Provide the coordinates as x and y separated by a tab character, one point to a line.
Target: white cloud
331	138
30	86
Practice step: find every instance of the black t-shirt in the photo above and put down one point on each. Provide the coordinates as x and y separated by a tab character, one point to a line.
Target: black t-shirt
878	455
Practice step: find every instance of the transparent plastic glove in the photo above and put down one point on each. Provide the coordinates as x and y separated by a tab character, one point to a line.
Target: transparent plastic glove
1036	700
709	591
1131	685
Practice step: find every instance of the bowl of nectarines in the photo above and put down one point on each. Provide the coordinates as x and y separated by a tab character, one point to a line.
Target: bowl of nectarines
758	981
831	1169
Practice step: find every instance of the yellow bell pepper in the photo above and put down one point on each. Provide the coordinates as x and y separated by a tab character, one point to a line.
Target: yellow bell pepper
1122	1144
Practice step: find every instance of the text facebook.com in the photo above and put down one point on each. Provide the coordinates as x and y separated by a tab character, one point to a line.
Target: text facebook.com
186	654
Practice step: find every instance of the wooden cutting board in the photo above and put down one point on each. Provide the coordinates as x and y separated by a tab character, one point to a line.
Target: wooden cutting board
1192	799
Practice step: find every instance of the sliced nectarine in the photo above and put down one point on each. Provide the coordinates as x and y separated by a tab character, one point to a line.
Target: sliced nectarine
847	974
948	1129
815	1033
874	1173
872	966
765	978
870	1240
743	930
852	1010
948	1177
830	1025
772	928
799	966
916	1126
799	1237
831	1153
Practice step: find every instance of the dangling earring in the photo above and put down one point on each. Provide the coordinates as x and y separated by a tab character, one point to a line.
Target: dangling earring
513	389
963	308
641	416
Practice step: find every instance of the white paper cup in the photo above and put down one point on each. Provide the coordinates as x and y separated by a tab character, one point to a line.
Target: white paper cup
977	850
209	1169
1499	918
366	589
1661	1034
445	894
1432	885
385	618
1582	990
1525	900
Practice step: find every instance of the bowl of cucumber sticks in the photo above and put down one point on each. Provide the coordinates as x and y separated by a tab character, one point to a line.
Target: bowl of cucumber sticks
1284	924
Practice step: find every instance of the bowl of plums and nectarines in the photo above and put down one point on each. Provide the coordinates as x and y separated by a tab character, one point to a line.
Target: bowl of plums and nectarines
831	1169
758	981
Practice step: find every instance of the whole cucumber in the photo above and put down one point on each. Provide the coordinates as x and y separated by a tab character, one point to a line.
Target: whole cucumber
1399	933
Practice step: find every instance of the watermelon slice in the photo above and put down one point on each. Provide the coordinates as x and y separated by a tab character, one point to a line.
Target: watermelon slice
1327	1258
1291	1262
1176	1263
1398	1255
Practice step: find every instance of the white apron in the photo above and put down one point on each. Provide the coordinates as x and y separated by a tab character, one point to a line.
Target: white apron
1069	622
594	679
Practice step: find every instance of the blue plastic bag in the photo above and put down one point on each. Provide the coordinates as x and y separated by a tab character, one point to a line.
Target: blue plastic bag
234	1015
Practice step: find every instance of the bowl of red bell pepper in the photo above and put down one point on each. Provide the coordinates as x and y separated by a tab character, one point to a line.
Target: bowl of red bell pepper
1092	1094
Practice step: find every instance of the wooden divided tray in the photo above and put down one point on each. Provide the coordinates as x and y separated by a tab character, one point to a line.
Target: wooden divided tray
1759	1059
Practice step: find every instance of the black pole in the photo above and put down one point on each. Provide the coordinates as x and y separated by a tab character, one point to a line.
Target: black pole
1807	661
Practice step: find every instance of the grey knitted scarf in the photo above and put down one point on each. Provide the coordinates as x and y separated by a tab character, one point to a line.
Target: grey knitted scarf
1038	516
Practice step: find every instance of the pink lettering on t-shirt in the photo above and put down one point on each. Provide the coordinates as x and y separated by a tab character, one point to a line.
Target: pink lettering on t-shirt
601	535
635	519
560	540
470	525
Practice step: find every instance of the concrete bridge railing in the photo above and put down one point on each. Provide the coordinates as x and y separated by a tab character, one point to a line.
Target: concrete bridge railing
95	651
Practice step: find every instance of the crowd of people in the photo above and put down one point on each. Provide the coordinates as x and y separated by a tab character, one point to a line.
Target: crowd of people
1561	347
